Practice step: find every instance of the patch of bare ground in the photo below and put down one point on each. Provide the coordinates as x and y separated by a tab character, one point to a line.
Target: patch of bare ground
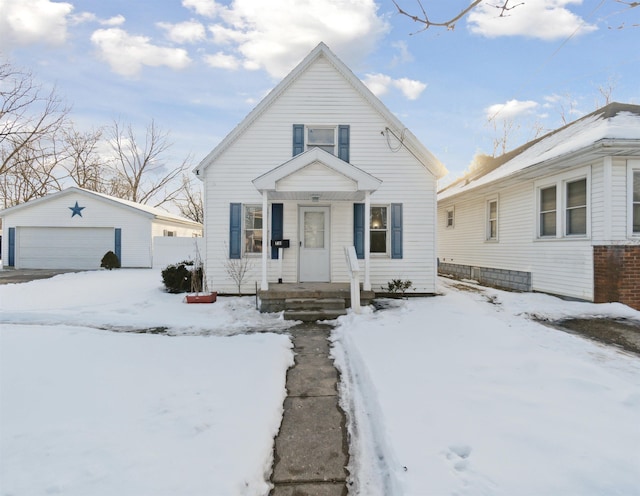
617	332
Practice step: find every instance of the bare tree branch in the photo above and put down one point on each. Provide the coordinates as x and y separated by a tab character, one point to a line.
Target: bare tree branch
140	172
450	24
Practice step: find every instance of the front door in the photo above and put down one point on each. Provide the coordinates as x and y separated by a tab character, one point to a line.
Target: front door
314	244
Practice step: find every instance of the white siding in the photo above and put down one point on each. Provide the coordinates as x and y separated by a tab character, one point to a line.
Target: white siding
558	266
55	212
321	177
320	96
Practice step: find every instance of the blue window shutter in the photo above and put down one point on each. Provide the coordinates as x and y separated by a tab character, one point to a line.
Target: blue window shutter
396	230
235	230
298	139
12	246
118	244
343	143
276	226
358	229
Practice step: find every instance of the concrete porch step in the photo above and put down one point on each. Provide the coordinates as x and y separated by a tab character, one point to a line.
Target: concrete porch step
314	303
314	315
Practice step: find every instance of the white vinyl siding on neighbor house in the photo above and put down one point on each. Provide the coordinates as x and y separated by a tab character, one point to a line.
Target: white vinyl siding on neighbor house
266	144
564	268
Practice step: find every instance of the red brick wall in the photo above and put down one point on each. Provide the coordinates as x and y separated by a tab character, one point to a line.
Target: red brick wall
616	271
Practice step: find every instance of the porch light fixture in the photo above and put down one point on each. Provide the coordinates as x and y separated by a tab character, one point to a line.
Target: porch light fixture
315	198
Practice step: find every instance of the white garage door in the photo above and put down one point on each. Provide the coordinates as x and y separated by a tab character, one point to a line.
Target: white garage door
62	247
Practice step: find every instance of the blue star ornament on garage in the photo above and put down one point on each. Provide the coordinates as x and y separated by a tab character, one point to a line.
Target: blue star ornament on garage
77	210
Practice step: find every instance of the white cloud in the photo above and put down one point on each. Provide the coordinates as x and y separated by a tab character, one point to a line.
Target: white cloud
114	21
126	54
27	22
184	32
410	88
379	84
544	19
403	56
276	35
511	109
222	60
205	8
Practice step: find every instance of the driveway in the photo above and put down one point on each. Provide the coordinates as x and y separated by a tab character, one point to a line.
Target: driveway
16	276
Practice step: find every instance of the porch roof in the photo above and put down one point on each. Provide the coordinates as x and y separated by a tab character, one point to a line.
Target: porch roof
316	175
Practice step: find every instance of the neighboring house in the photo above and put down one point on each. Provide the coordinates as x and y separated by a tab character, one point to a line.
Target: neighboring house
74	228
322	164
559	215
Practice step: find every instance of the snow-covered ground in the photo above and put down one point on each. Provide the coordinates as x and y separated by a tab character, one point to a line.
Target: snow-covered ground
464	395
85	411
457	394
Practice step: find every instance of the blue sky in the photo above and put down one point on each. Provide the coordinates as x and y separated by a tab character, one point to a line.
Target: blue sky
197	67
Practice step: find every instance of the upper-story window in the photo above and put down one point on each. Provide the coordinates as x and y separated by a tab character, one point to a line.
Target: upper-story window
322	137
332	139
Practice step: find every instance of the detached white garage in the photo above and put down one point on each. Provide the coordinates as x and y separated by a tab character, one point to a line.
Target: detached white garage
74	228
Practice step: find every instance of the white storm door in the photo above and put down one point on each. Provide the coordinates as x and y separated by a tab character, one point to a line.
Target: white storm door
314	244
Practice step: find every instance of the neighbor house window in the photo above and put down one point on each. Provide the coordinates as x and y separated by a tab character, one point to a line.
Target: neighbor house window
378	229
449	218
548	211
252	229
492	220
636	202
576	210
322	137
170	233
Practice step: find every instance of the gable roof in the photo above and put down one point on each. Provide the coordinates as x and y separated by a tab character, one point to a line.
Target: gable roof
321	50
146	210
613	129
363	181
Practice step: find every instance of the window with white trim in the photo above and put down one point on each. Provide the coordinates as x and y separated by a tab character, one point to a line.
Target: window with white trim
635	202
562	205
548	211
576	208
449	220
322	137
378	229
166	232
252	229
492	220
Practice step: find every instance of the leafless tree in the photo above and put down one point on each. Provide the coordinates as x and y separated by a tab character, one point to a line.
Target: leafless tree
503	130
141	172
502	8
28	118
423	18
85	166
189	202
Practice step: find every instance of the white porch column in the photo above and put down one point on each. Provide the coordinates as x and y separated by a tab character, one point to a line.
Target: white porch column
264	285
367	240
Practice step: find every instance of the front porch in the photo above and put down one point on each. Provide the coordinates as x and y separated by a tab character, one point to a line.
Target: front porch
310	301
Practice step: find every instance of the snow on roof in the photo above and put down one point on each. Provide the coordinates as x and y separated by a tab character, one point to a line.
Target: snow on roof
615	121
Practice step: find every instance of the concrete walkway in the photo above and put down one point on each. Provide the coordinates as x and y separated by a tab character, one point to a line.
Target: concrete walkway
311	450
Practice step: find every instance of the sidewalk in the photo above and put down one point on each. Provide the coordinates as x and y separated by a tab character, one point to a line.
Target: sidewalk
311	450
